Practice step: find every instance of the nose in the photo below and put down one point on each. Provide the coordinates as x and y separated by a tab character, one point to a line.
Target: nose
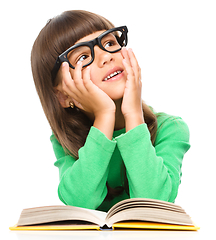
102	57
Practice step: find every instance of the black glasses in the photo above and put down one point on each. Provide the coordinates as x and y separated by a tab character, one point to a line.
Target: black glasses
110	41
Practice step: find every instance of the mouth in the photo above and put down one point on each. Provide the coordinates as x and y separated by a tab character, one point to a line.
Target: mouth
113	74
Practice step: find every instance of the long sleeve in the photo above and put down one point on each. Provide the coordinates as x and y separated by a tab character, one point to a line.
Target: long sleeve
83	181
155	171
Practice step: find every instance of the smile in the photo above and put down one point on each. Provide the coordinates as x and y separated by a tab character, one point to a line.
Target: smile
112	75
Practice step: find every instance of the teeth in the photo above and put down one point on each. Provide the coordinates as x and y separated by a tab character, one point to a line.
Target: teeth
112	75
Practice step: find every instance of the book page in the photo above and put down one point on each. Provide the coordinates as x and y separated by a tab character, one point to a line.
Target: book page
143	202
52	214
141	209
150	215
99	214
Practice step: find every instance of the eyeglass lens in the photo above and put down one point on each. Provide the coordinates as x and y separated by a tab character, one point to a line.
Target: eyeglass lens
110	42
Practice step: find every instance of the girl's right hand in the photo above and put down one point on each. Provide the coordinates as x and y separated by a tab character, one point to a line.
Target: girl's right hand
85	94
90	98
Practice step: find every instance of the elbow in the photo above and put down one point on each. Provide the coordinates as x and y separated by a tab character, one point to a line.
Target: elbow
167	185
169	190
83	199
164	190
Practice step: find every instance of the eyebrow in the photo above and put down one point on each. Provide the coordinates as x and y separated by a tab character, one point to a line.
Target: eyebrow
76	49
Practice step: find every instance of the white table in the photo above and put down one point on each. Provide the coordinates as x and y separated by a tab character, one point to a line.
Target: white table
203	233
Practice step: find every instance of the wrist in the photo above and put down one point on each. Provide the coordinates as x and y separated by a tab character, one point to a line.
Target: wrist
105	122
133	120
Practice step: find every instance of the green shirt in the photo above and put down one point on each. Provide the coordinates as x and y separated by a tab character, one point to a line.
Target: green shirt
152	171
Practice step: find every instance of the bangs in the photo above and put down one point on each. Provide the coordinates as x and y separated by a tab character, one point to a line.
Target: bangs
71	26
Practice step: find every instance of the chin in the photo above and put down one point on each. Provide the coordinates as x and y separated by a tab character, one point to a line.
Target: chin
116	92
116	95
116	98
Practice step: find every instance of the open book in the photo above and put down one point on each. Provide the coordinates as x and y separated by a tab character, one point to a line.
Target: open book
135	213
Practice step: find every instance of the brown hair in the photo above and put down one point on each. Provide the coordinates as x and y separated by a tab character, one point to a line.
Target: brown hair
70	126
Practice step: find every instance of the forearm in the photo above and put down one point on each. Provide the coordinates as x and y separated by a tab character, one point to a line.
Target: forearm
153	172
148	176
83	181
84	186
146	173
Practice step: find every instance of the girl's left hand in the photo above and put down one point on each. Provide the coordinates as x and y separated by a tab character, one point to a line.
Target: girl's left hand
132	101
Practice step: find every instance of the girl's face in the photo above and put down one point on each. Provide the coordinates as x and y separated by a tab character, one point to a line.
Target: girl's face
104	65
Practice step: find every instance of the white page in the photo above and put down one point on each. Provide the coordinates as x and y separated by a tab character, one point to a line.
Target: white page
99	214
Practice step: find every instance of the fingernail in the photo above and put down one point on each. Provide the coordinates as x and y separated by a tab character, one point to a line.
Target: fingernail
64	64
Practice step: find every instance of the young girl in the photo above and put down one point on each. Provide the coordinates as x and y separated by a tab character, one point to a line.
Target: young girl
108	143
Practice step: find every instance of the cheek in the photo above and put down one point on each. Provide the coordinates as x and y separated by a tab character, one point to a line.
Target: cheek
94	75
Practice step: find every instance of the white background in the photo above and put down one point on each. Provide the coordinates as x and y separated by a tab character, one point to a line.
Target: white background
175	44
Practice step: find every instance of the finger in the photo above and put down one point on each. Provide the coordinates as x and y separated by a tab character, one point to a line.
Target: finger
125	54
78	72
70	90
66	76
134	64
87	79
131	63
65	73
128	69
133	59
77	77
68	85
78	104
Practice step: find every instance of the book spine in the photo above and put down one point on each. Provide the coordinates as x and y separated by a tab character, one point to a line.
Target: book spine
106	228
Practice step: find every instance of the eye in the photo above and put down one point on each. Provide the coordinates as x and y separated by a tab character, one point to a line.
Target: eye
109	44
82	58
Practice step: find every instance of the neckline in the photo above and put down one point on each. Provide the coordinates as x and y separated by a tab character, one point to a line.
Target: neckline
118	132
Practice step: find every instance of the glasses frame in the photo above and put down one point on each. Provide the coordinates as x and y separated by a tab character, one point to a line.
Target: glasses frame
91	44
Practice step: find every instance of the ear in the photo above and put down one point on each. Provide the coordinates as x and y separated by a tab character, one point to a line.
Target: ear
63	99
